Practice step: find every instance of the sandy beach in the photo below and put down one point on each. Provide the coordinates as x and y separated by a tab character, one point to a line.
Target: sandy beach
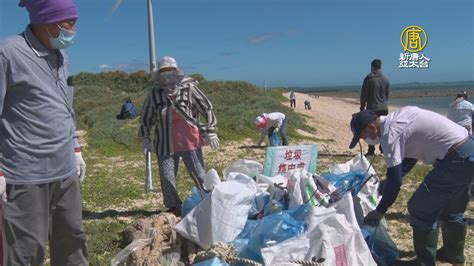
330	116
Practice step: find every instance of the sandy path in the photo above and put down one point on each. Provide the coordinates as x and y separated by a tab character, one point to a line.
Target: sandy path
330	116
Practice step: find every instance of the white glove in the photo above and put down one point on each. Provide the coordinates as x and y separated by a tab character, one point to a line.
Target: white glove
3	188
81	166
276	129
213	140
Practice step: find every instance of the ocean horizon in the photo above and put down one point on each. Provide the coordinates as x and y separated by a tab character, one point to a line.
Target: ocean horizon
417	86
425	95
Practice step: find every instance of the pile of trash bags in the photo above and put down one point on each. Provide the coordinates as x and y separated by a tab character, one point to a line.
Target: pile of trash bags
289	219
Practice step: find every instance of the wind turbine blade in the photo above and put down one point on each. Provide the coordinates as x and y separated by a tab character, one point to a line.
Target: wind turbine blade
114	8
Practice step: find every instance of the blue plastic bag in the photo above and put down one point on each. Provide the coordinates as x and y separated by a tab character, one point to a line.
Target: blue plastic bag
191	201
351	181
274	139
258	205
242	239
273	229
383	249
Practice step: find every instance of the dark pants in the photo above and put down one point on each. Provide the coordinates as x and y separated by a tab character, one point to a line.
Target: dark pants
444	194
35	214
125	115
293	103
283	134
372	147
307	105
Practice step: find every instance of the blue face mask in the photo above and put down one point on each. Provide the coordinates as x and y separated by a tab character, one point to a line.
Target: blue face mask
64	39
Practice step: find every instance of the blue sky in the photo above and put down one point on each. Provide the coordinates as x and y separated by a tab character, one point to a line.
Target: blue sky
286	42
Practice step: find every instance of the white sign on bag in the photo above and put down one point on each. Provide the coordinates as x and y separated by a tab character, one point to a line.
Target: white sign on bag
281	159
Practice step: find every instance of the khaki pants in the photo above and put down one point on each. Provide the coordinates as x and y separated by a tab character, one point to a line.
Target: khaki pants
35	214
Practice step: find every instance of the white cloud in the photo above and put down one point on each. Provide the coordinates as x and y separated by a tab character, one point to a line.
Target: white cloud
262	38
105	66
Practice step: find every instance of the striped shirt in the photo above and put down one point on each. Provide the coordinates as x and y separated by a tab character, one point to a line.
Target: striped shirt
187	101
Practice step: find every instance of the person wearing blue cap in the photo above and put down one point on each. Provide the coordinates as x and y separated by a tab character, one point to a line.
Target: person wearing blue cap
42	162
412	134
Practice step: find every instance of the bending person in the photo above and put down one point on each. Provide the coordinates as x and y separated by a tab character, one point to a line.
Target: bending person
272	122
411	134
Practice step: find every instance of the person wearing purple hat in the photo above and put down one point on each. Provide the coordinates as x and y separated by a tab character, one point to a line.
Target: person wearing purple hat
411	134
41	158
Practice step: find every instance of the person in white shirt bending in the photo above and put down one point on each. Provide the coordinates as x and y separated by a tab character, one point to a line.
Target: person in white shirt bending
272	122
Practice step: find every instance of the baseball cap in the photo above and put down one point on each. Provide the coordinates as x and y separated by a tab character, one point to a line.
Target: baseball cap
359	122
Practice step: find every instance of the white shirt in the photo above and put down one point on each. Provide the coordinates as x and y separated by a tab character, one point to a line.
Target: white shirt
411	132
461	112
275	120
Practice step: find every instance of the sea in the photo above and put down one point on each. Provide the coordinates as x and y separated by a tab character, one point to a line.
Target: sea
436	104
427	94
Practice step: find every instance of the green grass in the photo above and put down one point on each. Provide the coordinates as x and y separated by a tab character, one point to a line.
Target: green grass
104	239
113	190
236	105
112	193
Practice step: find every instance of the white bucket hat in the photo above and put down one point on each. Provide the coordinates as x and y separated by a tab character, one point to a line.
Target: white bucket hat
167	62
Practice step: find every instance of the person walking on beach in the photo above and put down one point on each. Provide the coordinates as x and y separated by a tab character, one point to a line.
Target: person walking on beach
374	94
411	134
42	162
173	108
292	99
272	122
461	111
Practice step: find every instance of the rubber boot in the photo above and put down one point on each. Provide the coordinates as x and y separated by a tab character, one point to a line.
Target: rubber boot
454	236
425	243
370	151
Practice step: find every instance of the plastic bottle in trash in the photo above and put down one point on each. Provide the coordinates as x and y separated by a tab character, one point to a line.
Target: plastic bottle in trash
273	206
322	198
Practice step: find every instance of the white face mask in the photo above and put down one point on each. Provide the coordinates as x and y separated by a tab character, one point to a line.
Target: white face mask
64	39
370	141
373	142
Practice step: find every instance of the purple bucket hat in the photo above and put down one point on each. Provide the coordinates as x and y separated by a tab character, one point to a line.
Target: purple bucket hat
49	11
